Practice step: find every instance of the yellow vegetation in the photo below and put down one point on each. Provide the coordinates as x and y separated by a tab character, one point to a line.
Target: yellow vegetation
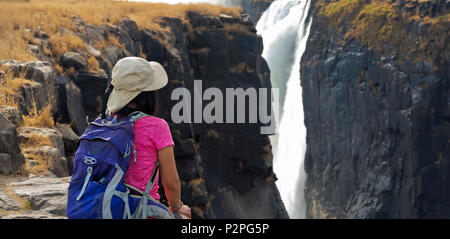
40	119
9	86
93	65
20	19
35	141
110	40
64	42
377	24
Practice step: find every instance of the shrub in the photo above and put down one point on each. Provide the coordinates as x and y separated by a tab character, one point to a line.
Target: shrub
40	119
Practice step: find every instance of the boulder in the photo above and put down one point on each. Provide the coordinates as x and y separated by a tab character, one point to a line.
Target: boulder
92	90
70	138
9	145
12	114
54	160
55	137
6	167
52	154
75	109
8	203
33	95
75	60
46	197
44	73
110	55
129	35
41	91
94	34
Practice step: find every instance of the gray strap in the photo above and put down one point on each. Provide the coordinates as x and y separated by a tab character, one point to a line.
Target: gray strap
124	197
86	181
135	116
149	186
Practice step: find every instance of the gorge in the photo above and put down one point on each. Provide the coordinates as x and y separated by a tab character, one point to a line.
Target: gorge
364	122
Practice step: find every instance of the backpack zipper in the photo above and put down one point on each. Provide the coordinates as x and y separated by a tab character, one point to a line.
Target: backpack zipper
86	181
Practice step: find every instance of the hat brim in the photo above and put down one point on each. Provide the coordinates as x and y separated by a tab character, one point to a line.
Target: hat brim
120	98
160	76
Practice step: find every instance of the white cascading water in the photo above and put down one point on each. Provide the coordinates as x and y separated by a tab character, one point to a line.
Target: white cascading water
285	29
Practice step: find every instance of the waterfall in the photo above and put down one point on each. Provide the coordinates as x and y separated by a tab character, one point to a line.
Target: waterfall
285	29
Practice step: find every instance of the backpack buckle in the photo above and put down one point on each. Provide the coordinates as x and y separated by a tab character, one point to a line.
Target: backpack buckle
90	160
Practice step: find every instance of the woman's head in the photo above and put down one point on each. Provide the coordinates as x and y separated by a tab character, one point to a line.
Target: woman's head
134	80
144	102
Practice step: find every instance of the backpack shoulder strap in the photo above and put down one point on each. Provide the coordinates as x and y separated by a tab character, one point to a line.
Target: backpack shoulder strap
137	115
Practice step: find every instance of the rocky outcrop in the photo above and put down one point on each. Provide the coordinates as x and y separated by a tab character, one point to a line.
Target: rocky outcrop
44	146
35	197
225	169
377	109
11	158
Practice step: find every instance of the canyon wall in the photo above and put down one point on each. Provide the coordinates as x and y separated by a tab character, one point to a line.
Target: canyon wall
225	169
375	78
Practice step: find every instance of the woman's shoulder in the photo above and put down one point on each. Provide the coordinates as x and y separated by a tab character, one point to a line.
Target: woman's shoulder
151	120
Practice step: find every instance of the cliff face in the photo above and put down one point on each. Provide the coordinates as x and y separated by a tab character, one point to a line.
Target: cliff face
254	8
375	78
225	170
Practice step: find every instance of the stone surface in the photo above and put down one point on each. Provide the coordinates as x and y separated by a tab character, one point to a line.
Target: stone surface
55	137
377	125
75	60
7	203
75	108
9	145
46	197
12	114
223	169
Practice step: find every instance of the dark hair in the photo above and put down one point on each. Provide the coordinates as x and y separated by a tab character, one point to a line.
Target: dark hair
145	102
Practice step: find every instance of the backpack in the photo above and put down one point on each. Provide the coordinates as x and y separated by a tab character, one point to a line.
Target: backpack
96	189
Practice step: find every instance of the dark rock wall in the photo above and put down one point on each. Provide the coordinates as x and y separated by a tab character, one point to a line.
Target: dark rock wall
377	121
225	170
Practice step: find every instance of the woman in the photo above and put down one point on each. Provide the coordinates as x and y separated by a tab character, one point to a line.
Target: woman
134	82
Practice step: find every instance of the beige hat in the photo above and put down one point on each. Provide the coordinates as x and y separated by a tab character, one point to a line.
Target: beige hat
131	76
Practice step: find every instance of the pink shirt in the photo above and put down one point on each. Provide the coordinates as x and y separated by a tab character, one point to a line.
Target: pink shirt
150	135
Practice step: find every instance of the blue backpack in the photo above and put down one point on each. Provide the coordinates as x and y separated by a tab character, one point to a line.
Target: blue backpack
96	189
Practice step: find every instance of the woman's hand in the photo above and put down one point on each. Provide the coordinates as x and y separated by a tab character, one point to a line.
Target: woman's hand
185	211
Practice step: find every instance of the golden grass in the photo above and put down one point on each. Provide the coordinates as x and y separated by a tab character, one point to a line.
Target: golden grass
110	40
64	42
35	141
25	204
93	65
378	24
9	87
42	166
20	19
40	119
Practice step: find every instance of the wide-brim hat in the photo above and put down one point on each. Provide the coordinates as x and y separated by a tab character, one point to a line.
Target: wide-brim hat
131	76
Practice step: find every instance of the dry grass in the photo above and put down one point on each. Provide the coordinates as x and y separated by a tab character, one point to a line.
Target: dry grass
20	19
93	65
64	42
9	87
40	119
110	40
382	27
42	165
35	141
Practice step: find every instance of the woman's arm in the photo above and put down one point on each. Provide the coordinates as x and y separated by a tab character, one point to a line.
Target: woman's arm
171	180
